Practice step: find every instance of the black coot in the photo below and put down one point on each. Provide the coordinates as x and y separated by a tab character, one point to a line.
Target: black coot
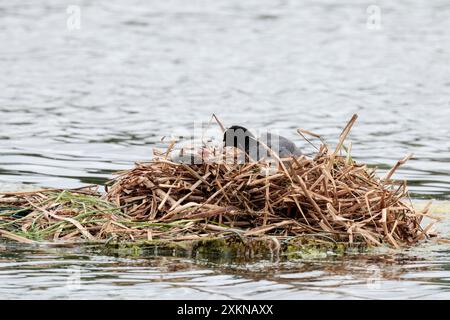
242	138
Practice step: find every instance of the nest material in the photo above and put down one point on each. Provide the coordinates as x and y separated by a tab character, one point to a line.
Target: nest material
329	197
329	194
58	215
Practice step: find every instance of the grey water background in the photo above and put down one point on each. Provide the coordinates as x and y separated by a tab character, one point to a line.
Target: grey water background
77	105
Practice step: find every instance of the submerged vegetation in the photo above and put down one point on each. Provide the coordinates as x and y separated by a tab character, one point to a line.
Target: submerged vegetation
328	199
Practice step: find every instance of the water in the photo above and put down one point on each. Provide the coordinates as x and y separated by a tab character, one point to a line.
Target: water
57	273
77	105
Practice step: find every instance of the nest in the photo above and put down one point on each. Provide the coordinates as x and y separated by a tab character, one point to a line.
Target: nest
329	196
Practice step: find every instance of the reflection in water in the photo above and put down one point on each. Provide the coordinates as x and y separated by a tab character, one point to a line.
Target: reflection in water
66	273
77	105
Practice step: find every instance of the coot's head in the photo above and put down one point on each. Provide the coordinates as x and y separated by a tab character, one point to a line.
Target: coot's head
238	137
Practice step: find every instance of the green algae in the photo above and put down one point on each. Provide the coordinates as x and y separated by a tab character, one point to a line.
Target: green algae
232	248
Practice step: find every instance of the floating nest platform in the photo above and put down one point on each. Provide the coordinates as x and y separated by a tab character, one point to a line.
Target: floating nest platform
330	199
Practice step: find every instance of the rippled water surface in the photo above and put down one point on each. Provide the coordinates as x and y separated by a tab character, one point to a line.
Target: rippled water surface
77	105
